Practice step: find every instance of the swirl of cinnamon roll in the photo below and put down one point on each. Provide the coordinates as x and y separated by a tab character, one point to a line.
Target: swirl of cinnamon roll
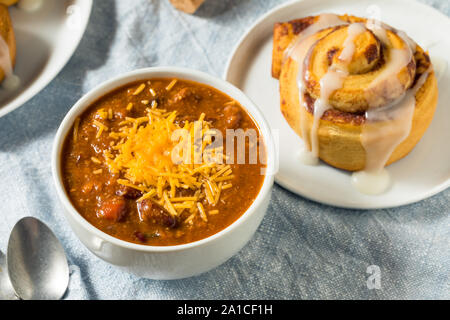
364	61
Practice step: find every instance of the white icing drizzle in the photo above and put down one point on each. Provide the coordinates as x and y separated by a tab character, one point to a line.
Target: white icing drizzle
298	51
386	81
348	49
384	130
11	81
379	29
331	81
306	155
411	43
371	183
30	5
386	127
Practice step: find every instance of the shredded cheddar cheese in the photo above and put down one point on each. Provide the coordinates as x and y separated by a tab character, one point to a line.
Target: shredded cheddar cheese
101	127
139	89
145	155
76	127
171	84
95	160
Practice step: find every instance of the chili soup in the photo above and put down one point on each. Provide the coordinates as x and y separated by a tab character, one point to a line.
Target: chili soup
119	173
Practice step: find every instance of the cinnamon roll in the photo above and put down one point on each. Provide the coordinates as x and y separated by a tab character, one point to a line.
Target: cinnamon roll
360	93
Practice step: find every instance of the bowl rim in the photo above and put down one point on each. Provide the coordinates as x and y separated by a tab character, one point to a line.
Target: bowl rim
147	74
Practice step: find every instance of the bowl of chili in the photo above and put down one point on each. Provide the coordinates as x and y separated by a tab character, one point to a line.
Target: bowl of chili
137	203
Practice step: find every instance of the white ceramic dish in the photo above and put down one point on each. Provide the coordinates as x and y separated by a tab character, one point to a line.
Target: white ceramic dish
170	262
423	173
46	39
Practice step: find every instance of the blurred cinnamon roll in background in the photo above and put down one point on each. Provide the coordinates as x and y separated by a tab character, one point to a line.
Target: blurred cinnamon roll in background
7	44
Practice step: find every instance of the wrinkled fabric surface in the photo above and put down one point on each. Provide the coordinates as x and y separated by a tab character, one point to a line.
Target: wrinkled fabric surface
302	250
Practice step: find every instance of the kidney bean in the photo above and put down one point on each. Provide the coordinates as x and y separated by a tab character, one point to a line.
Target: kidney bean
140	236
143	236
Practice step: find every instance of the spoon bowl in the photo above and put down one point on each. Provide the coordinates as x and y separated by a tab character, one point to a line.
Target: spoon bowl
37	264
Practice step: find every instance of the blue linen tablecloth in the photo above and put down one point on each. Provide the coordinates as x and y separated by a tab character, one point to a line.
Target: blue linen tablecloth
302	250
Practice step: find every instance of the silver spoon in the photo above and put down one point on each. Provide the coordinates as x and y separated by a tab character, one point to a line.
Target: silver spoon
37	264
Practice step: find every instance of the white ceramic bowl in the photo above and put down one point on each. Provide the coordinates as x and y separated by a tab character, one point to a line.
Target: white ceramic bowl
169	262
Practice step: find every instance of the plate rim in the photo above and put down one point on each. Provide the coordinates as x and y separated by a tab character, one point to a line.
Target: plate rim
287	185
35	88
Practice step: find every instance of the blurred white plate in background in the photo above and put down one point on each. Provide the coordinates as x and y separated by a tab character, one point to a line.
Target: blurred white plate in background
46	39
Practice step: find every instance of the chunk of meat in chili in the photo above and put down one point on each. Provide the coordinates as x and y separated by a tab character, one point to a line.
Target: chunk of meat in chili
149	211
184	94
112	209
233	117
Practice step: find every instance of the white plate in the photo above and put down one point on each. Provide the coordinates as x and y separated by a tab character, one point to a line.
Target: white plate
46	39
423	173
